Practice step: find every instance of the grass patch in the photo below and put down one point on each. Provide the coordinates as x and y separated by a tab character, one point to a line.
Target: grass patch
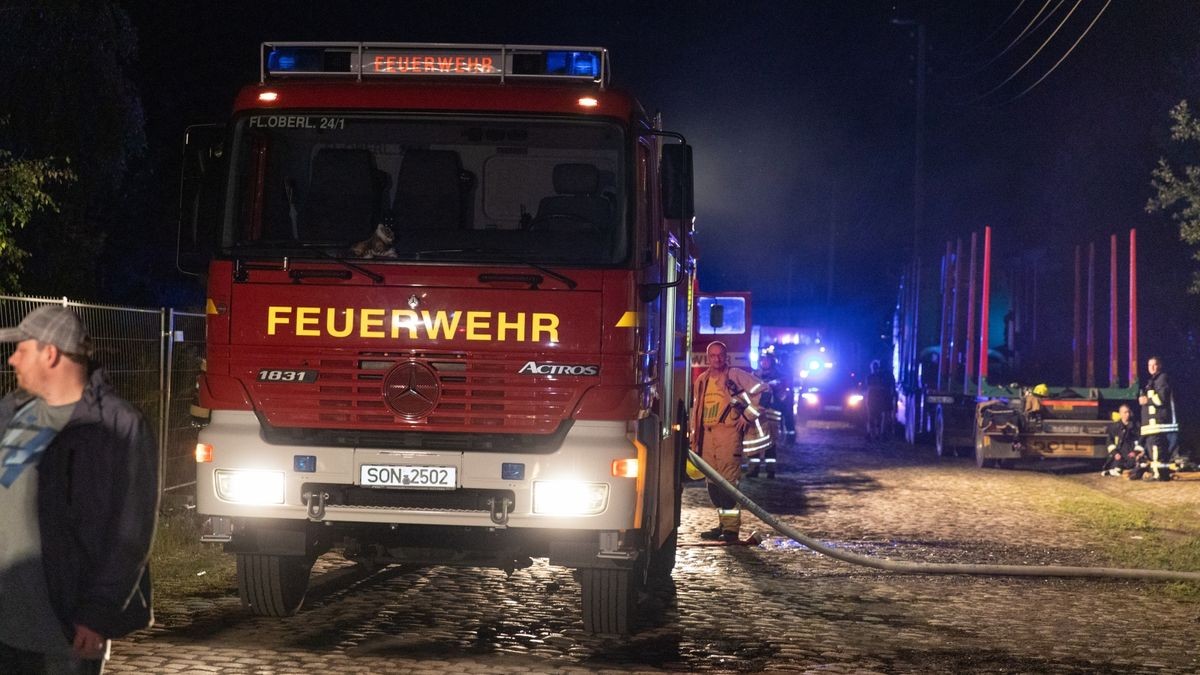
1137	536
183	567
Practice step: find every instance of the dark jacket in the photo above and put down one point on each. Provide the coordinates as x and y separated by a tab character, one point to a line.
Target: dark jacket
1158	414
1123	438
97	507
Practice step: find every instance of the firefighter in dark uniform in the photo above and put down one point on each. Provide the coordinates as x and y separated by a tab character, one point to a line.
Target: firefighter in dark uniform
1160	428
880	402
1124	446
772	420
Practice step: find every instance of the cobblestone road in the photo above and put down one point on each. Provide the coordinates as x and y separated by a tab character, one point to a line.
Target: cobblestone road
770	608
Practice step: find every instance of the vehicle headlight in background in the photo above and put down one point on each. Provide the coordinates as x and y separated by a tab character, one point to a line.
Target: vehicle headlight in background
810	398
854	400
250	486
569	497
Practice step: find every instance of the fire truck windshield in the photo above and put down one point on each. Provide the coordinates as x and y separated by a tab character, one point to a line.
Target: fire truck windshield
476	189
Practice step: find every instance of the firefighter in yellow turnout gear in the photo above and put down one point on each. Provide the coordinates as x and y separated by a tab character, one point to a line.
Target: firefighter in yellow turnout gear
725	404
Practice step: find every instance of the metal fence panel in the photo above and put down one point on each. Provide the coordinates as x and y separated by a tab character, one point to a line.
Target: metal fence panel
152	357
185	353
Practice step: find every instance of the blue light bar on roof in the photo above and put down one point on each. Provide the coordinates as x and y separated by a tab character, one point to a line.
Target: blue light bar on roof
297	60
578	64
392	59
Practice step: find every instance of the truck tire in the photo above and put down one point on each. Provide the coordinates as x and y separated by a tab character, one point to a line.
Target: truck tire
662	561
939	435
609	599
981	461
272	585
912	418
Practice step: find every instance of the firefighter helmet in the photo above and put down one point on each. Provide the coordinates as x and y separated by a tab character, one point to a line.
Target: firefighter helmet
1041	390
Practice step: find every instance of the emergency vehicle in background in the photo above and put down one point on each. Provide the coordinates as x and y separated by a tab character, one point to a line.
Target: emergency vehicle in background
825	372
448	317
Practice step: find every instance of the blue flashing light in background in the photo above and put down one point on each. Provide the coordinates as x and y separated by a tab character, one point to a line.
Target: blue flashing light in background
580	64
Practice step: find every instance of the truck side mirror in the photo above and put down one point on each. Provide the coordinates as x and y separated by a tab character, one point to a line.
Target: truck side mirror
677	183
200	185
716	316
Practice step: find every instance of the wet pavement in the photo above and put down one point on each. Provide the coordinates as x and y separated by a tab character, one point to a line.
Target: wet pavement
773	607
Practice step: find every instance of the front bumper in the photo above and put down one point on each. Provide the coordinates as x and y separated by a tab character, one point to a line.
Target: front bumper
585	456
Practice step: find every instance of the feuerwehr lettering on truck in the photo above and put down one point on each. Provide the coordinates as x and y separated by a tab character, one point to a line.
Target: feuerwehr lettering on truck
379	322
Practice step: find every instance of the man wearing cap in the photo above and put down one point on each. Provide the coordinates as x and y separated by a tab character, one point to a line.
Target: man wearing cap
78	503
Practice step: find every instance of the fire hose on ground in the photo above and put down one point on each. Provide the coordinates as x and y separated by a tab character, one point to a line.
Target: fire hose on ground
907	567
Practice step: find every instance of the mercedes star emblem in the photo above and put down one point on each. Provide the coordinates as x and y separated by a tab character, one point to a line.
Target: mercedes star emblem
412	390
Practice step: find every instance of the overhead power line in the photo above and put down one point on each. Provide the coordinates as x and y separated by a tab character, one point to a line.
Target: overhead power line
1034	55
1017	40
997	30
1064	56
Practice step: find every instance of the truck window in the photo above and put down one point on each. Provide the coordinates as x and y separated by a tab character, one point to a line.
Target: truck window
451	188
721	315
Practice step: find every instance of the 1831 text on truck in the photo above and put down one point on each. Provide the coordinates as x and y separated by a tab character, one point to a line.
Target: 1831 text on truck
448	317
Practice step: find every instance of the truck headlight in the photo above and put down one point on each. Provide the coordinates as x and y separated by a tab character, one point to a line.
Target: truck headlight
569	497
854	400
250	486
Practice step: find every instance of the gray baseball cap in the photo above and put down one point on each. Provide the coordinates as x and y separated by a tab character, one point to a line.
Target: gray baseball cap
55	325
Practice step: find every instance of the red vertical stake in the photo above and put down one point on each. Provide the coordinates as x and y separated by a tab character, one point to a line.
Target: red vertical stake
1090	341
1133	309
944	320
969	371
984	302
1113	367
956	312
1075	347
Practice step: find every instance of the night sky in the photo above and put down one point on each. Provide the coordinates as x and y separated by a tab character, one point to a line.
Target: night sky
802	117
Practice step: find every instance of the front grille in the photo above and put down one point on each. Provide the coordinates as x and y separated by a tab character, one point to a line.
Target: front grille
463	499
478	394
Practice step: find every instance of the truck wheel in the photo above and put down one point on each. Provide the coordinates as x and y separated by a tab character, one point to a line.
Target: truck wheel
981	461
608	600
662	561
272	585
939	434
911	419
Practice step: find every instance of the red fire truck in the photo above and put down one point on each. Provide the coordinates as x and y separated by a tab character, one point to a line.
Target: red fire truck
448	299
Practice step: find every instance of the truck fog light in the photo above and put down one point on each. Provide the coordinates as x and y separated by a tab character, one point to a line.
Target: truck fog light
569	498
248	486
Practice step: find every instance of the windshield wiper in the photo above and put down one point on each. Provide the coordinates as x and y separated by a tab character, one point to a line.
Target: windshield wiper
377	278
567	281
316	247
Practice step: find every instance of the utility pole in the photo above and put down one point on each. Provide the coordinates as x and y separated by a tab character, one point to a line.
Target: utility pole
918	134
829	267
912	383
